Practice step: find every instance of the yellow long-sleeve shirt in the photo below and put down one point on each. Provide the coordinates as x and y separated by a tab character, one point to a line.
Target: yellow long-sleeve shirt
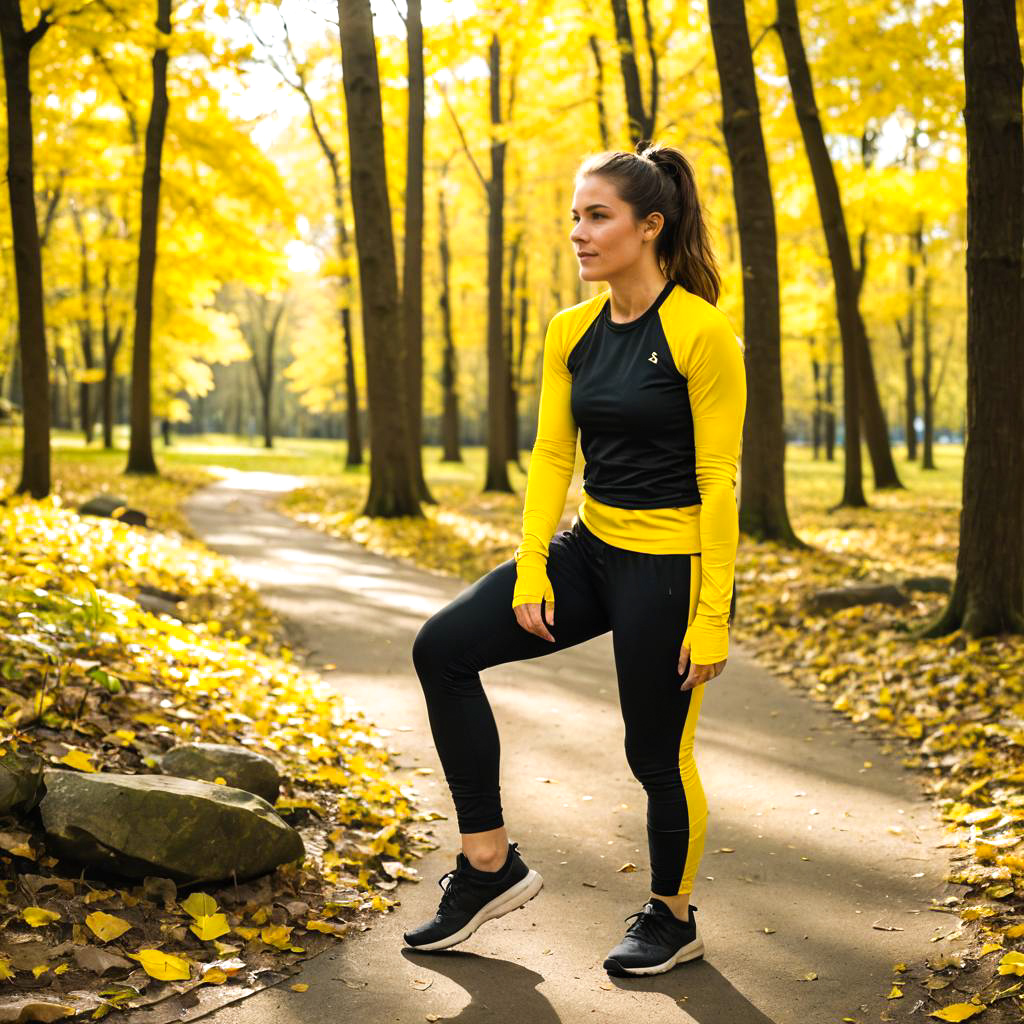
658	404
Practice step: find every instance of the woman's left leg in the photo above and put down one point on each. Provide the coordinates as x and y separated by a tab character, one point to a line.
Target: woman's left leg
651	599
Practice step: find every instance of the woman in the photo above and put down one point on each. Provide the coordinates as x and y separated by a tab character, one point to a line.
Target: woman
651	375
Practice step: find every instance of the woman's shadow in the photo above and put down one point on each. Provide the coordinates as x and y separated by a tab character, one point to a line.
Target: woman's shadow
500	991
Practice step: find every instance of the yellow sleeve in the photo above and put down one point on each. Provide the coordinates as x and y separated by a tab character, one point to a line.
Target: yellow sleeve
551	466
717	385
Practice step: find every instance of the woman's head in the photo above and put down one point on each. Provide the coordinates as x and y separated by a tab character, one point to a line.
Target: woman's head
627	205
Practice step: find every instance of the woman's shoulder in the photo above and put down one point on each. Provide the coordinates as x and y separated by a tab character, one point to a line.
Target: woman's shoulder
688	314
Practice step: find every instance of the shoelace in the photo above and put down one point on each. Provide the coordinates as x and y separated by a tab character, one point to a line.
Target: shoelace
449	890
649	926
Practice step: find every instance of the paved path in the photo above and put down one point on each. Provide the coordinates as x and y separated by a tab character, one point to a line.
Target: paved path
814	857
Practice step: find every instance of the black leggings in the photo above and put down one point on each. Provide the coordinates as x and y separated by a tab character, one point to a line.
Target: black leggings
647	601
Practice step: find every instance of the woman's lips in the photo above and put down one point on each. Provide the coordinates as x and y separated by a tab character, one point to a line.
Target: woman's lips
586	255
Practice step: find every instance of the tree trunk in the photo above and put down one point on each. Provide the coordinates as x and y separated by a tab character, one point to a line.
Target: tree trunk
830	414
928	410
851	326
988	592
602	115
817	412
909	374
497	363
111	343
393	490
449	373
140	447
28	264
412	262
763	502
641	123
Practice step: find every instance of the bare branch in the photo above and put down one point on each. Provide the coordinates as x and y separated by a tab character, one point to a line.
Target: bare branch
465	145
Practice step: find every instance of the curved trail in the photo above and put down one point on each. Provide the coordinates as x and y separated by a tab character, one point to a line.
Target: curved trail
809	826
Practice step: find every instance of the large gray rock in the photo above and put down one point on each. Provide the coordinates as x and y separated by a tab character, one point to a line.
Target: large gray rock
138	825
21	780
238	767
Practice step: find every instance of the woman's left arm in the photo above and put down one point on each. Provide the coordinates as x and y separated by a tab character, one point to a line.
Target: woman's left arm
717	385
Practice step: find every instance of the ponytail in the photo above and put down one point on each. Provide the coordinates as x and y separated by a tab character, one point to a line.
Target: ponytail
658	179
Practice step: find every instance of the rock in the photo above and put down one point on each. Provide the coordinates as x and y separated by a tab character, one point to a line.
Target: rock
112	507
159	601
928	584
237	766
139	825
21	780
834	599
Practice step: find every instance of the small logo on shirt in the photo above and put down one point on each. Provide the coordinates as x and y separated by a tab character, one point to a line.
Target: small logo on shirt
653	357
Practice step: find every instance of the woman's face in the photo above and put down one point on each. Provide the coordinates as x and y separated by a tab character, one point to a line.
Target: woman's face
607	237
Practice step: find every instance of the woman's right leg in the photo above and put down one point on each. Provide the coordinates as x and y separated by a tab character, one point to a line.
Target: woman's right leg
478	630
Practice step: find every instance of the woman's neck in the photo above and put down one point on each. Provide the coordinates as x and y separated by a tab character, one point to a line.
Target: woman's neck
631	297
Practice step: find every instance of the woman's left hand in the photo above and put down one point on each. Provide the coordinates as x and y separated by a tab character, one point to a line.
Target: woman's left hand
698	673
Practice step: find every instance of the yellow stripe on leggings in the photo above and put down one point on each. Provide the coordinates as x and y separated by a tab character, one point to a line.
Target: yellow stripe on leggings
696	801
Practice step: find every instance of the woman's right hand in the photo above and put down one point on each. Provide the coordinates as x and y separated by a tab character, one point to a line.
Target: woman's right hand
529	616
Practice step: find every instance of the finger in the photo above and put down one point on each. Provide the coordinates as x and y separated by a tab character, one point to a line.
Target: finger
537	625
551	610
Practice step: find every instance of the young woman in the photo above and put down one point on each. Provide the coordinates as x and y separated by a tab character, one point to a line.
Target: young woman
650	374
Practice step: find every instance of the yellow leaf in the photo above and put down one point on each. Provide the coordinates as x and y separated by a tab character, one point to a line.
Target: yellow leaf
37	917
62	968
41	969
278	936
300	986
957	1011
106	926
247	933
989	947
261	916
1012	963
896	993
162	966
80	760
5	969
215	976
199	905
212	927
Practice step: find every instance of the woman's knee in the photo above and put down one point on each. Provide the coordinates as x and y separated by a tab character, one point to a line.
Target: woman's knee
430	648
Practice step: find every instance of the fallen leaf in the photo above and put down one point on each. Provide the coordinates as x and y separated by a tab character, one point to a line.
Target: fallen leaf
199	905
299	986
957	1011
106	926
37	917
162	966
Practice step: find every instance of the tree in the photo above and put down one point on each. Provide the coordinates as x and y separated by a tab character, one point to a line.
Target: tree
140	448
856	355
641	117
988	592
763	505
412	260
393	489
17	46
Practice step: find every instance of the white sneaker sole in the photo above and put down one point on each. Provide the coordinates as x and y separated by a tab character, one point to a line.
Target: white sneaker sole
519	895
690	951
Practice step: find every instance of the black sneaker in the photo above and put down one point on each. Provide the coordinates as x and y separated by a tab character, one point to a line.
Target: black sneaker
471	898
656	941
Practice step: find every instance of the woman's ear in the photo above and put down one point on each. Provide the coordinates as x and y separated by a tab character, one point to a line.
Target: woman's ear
652	226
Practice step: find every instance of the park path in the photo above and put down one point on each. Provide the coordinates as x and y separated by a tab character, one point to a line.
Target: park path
827	853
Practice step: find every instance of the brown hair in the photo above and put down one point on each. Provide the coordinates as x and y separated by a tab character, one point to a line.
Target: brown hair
658	178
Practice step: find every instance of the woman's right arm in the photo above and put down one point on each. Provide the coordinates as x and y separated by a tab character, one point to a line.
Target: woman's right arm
550	472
